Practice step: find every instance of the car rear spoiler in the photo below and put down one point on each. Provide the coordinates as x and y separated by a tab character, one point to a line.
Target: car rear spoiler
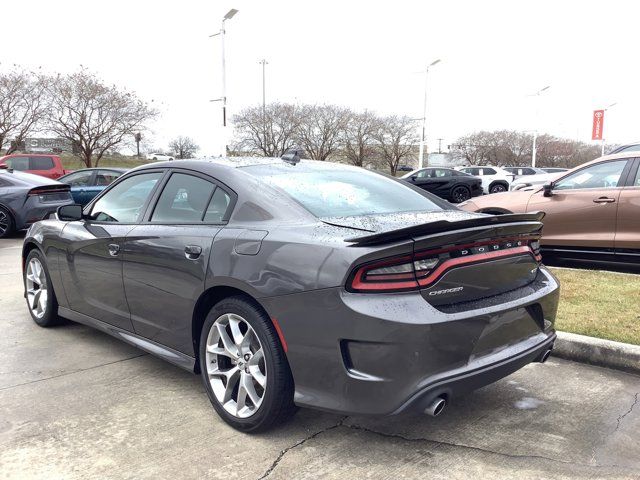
445	226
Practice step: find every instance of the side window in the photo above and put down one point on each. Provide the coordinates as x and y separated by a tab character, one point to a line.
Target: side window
124	202
528	171
472	171
79	179
41	163
105	177
218	207
183	199
423	173
440	172
488	171
602	175
20	164
637	182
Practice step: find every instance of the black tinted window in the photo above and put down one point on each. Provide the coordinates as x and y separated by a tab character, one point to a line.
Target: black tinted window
488	171
183	199
124	202
78	179
18	163
41	163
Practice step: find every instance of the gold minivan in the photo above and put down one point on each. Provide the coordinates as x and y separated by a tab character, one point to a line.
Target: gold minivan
592	211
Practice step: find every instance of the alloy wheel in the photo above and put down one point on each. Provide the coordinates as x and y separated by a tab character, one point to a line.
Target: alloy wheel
5	222
235	365
36	282
498	189
460	194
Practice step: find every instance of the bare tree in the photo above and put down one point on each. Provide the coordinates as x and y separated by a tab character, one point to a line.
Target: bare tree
95	117
183	147
320	130
23	103
397	139
269	132
358	137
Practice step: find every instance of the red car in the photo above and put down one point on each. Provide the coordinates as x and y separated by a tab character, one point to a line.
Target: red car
49	166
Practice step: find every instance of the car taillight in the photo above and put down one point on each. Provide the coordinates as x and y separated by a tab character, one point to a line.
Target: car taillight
423	268
34	192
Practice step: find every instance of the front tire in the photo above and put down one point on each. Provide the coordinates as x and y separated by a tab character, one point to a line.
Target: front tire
41	299
244	368
498	188
7	224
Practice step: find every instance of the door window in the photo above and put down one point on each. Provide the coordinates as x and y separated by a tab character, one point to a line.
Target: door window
124	202
472	171
441	172
637	182
218	207
183	199
488	171
105	177
602	175
18	163
41	163
78	179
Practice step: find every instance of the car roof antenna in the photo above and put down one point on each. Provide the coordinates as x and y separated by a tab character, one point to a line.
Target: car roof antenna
292	156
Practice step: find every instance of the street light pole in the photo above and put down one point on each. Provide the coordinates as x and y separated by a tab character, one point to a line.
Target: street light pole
535	130
602	153
424	115
228	16
264	103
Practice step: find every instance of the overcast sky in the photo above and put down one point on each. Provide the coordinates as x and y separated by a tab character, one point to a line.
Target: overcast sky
359	54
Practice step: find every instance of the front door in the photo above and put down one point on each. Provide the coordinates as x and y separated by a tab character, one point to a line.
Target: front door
92	272
581	212
166	258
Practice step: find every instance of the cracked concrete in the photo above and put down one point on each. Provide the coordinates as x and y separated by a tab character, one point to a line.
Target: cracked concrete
75	403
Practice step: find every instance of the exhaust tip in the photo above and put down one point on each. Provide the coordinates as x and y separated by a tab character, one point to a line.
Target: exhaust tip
436	407
545	356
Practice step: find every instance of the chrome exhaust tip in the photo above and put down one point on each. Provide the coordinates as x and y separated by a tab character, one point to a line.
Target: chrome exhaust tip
436	407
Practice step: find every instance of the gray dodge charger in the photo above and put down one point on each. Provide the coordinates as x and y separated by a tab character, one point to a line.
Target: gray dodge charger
289	283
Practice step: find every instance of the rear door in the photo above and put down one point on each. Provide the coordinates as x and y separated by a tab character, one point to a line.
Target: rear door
627	239
167	256
92	272
583	208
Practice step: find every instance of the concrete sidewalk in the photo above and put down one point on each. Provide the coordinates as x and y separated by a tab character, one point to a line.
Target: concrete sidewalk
75	403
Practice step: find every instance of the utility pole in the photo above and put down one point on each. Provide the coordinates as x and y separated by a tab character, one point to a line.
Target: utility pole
440	145
424	115
228	16
535	130
264	102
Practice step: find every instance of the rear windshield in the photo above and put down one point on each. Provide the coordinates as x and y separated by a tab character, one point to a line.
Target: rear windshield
331	190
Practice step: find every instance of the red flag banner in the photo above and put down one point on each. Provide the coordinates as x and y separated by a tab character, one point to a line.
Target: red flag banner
598	125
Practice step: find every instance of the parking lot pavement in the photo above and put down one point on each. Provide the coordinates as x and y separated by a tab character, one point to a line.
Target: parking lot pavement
75	403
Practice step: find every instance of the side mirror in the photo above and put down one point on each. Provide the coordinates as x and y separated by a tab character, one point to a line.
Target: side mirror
70	213
548	189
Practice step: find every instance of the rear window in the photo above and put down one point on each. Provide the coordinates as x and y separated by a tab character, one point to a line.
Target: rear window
335	190
41	163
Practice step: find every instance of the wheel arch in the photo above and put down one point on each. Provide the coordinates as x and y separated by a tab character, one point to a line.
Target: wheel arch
207	300
499	182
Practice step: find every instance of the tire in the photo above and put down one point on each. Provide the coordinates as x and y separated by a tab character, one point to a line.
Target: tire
497	188
459	194
7	223
154	159
36	282
263	408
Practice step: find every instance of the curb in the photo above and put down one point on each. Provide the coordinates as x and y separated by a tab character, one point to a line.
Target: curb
595	351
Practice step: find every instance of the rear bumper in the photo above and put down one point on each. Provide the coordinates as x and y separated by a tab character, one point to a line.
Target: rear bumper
388	353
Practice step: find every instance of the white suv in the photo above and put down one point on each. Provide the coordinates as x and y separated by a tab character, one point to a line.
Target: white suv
494	179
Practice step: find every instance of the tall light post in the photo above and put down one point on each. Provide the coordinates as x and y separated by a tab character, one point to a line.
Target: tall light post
602	153
228	16
535	130
263	62
424	114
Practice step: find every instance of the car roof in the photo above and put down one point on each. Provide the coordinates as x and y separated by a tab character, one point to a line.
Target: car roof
25	179
12	155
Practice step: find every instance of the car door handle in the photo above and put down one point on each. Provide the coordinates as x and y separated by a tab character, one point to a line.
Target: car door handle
604	200
114	249
192	251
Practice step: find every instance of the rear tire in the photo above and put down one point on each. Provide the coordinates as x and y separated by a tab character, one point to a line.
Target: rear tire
7	224
498	188
235	366
41	299
460	194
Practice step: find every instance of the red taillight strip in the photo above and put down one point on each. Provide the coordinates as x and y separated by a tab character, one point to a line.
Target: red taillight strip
358	284
476	258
